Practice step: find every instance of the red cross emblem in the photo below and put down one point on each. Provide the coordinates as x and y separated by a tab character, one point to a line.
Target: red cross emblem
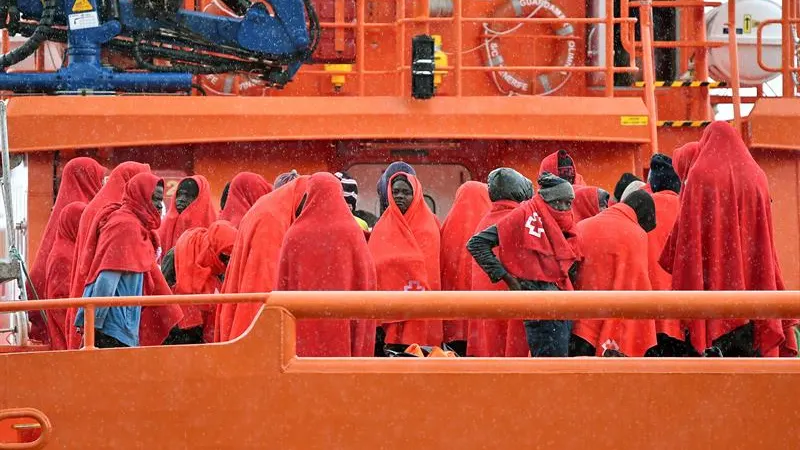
534	225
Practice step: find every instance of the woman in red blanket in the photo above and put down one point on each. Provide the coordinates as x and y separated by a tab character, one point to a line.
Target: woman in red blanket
614	246
405	244
562	165
120	254
589	201
201	256
81	180
470	205
723	240
335	260
191	207
254	261
538	252
156	321
246	188
57	274
491	337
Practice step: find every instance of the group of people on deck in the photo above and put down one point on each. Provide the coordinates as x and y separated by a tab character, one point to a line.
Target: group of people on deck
701	221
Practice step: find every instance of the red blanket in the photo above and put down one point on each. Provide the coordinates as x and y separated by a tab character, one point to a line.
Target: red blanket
81	180
538	243
723	237
406	248
491	337
197	270
57	273
470	205
199	213
667	206
614	247
586	203
336	260
550	164
254	261
246	188
122	237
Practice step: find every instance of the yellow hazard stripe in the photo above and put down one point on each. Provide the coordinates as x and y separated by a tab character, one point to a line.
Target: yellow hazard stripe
682	84
684	123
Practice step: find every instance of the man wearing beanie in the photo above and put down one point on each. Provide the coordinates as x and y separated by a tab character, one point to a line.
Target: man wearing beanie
662	176
537	252
626	179
350	189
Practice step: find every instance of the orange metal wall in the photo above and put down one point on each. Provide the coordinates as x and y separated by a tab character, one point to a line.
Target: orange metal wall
254	393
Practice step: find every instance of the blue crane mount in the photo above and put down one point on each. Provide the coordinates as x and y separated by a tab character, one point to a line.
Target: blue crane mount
169	45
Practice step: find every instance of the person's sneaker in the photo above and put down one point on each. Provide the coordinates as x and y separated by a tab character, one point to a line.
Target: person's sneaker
712	352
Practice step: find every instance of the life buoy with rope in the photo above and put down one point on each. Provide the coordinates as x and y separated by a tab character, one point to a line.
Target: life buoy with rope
228	83
510	83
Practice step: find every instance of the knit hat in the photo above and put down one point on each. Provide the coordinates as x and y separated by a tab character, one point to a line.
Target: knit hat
350	188
623	183
645	208
553	188
662	175
633	187
602	198
566	166
286	178
508	184
383	181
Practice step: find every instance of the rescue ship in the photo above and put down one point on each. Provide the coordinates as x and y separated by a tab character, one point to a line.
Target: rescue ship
456	88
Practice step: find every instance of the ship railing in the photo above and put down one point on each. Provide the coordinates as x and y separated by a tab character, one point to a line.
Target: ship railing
456	305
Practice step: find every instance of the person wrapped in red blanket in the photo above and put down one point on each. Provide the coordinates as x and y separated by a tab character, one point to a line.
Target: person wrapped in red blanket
538	251
245	190
723	240
490	337
337	259
254	260
81	180
562	165
120	254
191	207
156	321
57	274
589	201
470	205
405	245
614	246
199	263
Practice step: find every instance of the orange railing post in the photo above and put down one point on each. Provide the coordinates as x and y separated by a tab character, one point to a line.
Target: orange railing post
787	54
610	47
646	15
733	52
88	329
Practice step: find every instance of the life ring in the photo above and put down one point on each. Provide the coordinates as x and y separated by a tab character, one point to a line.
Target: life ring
227	83
522	84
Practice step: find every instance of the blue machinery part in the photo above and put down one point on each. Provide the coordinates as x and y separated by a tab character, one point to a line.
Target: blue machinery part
283	37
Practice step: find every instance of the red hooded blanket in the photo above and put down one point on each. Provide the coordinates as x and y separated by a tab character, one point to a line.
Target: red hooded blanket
586	203
254	261
490	337
550	164
81	180
57	274
157	321
197	270
722	239
246	188
199	213
406	248
667	205
336	260
614	247
533	243
470	205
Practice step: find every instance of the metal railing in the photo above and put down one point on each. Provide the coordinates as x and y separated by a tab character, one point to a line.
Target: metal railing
469	305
